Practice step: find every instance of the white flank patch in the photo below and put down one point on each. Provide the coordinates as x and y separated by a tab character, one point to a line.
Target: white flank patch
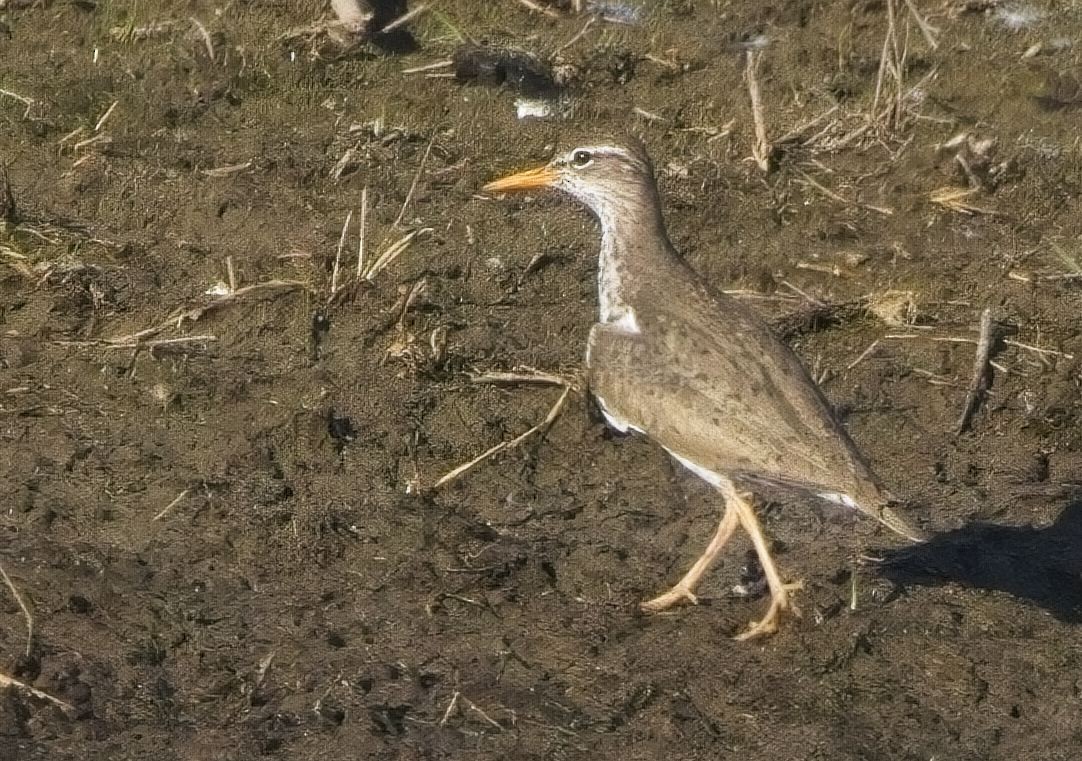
839	499
709	476
618	425
627	322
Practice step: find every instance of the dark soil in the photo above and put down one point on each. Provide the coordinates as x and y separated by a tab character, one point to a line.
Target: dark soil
305	600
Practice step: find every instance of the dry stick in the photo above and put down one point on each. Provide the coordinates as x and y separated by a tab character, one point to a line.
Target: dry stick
393	252
477	709
338	252
225	171
926	29
67	708
196	312
416	179
578	35
100	138
978	383
207	41
900	60
648	115
231	273
15	96
405	18
881	74
171	505
105	117
840	199
148	345
429	67
799	130
30	103
364	232
937	339
22	607
863	355
807	296
542	426
450	708
533	376
539	8
1038	349
761	150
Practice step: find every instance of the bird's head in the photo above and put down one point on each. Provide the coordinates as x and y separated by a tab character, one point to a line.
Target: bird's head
613	180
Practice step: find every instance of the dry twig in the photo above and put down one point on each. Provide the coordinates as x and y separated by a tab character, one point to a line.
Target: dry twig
363	233
835	197
981	377
225	171
67	708
105	117
429	67
178	318
888	63
402	20
22	606
541	427
165	511
30	103
338	253
864	354
205	35
147	345
761	150
537	8
926	29
1037	349
578	35
957	200
413	185
392	252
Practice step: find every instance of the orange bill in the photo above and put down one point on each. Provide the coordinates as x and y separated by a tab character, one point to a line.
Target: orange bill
541	177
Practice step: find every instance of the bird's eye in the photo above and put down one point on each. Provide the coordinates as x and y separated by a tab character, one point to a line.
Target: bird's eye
581	159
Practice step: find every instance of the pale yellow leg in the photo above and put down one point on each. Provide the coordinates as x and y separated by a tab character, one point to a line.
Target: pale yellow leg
684	591
779	591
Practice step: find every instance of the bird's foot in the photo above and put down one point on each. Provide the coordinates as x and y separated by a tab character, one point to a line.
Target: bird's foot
676	596
780	606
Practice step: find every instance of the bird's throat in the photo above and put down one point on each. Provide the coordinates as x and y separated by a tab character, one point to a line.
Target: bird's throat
634	249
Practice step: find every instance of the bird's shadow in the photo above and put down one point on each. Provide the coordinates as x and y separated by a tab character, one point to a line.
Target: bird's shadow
1043	565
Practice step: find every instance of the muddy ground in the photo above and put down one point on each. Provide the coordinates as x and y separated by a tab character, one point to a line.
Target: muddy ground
222	540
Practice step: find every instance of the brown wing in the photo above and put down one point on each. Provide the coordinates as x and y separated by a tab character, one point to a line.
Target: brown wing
713	385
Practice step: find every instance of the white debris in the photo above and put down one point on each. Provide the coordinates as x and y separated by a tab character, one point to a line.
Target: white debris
1017	17
218	289
533	108
616	12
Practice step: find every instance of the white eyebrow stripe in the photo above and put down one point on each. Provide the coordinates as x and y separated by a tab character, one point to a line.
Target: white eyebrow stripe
598	150
606	150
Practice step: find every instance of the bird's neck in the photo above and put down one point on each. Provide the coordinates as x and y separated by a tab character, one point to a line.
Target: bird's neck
634	246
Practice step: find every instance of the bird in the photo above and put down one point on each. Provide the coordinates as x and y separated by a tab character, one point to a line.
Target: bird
700	374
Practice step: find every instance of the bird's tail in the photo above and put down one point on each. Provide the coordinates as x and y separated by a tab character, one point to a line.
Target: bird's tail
873	499
878	506
886	515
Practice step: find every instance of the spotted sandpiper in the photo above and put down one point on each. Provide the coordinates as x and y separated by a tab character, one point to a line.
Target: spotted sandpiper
700	374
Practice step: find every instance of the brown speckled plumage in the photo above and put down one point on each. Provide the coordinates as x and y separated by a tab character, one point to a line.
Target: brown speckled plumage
699	373
709	381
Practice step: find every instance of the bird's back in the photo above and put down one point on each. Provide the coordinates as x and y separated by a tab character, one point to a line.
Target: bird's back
709	381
